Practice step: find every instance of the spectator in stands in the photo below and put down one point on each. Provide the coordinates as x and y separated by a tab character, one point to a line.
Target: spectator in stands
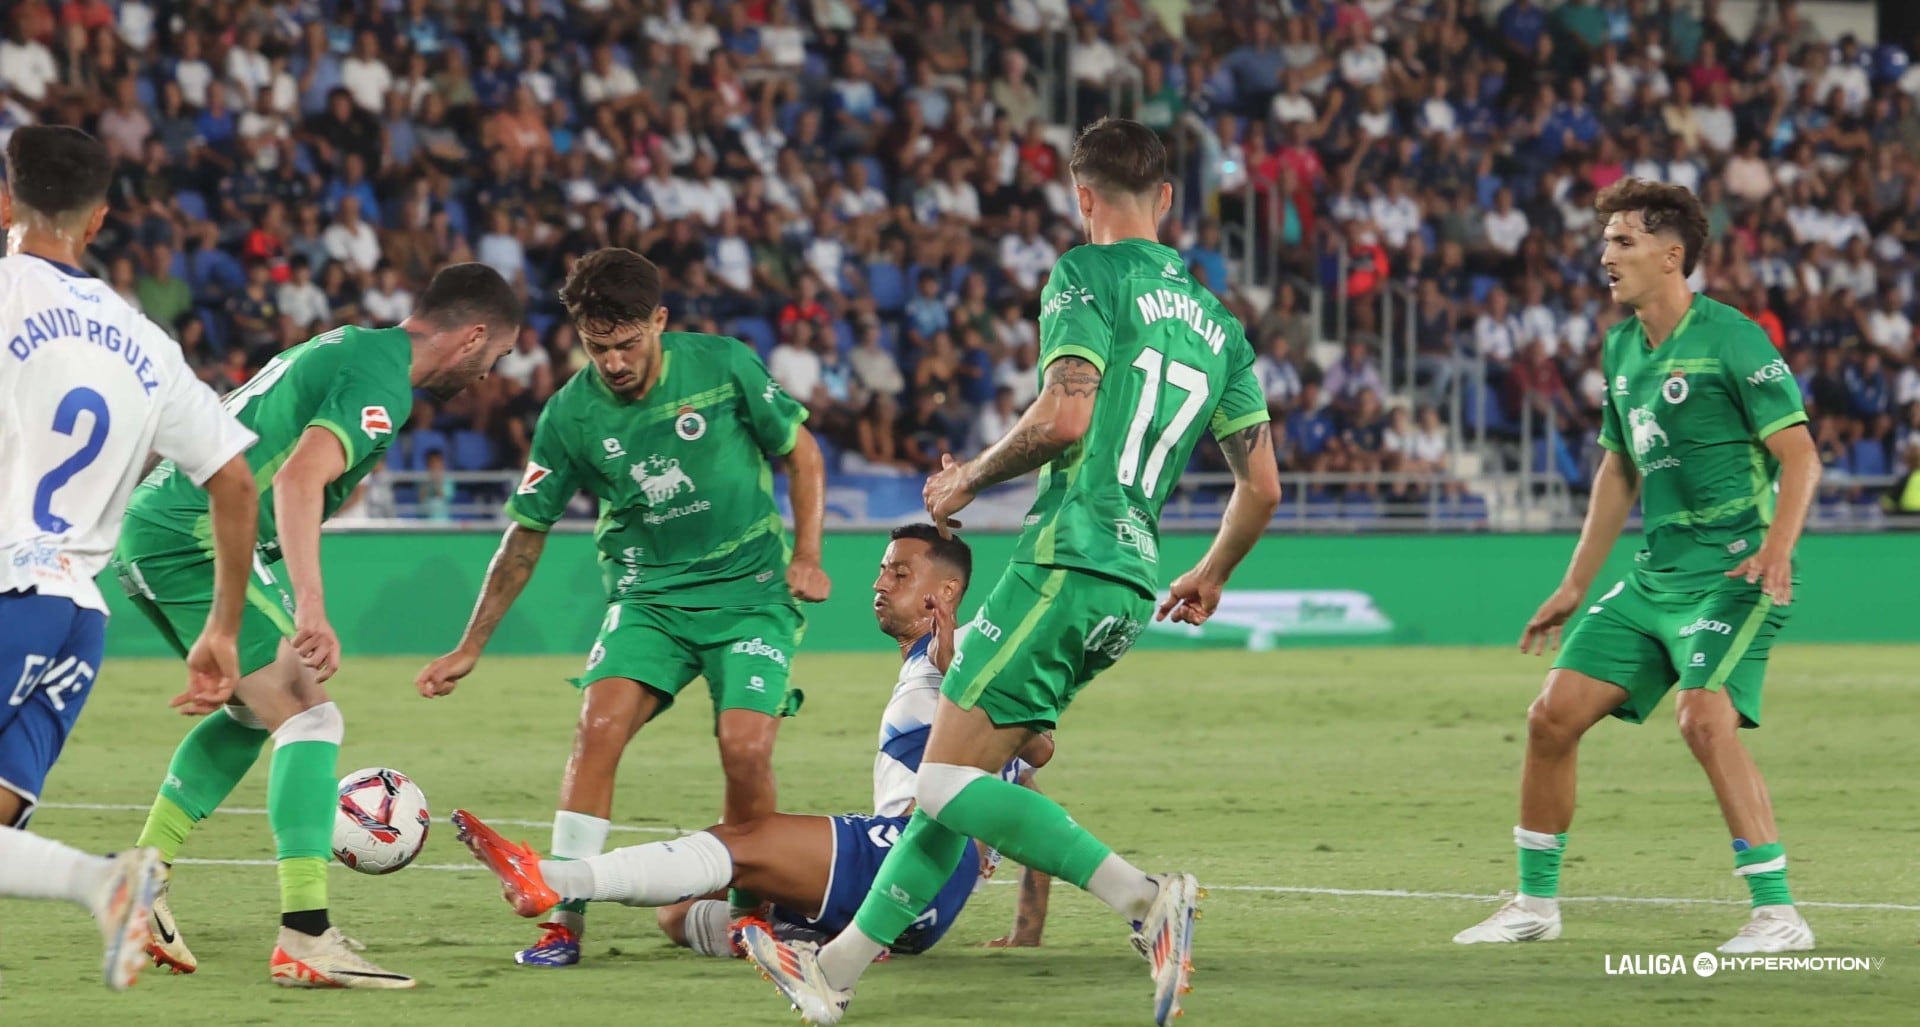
795	364
1352	376
1279	375
817	165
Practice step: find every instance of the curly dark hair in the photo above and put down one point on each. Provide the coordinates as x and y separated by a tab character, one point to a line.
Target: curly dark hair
1663	208
610	288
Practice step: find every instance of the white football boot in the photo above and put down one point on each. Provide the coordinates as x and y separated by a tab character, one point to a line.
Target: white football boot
165	945
1771	929
331	960
123	908
1165	937
794	968
1523	918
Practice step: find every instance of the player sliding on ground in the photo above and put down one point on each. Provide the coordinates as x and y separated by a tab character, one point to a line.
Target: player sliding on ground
90	387
326	411
1137	360
1704	425
675	433
814	870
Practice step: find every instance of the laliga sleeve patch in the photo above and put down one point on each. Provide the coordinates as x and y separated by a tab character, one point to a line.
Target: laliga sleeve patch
530	482
375	422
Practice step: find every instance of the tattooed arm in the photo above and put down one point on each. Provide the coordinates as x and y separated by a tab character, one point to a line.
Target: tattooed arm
1055	421
511	569
1256	494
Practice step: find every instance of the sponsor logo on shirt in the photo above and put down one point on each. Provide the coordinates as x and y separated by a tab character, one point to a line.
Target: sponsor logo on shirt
530	482
375	422
758	647
1718	627
772	390
1064	299
688	424
1772	372
660	478
613	448
1646	430
1172	272
1138	538
1619	384
984	626
1737	546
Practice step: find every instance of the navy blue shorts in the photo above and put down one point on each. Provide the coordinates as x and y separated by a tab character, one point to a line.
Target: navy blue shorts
50	651
861	842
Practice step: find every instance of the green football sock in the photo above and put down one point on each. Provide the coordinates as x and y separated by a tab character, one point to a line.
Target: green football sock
1539	861
915	870
1027	827
205	769
301	797
1765	869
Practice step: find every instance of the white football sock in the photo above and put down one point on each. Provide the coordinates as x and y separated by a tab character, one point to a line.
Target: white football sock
845	958
575	836
660	873
1123	886
572	878
32	867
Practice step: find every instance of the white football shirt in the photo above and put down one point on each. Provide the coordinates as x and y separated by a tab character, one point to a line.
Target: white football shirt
904	729
88	386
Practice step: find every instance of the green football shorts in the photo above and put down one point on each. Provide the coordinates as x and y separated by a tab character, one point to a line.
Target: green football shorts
1646	641
1042	634
169	579
745	653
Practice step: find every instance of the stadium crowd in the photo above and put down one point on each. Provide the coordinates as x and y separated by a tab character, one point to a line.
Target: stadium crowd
872	193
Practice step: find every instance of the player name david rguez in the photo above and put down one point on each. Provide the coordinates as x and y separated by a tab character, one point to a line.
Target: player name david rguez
65	323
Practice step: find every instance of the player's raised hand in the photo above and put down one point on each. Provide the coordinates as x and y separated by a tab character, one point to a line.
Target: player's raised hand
315	643
1545	626
1772	571
946	494
1191	599
943	625
808	581
213	671
442	675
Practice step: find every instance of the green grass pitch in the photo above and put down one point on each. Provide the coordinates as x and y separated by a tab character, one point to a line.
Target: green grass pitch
1345	806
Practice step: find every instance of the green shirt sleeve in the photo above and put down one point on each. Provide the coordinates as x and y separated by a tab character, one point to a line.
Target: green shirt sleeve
1073	322
551	478
772	416
1244	404
365	407
1610	434
1762	385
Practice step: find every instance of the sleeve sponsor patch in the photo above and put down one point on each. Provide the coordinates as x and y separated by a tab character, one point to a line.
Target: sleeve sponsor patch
375	422
530	482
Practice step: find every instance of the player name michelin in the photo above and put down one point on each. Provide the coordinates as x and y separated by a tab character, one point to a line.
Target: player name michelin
1706	964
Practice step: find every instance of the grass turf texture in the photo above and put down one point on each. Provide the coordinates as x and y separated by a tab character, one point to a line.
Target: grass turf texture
1315	769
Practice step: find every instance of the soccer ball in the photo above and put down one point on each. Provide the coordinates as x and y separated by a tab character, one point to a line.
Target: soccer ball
381	822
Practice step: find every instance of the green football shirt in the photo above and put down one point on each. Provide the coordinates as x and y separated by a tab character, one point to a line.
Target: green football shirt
354	382
1173	363
1693	415
687	514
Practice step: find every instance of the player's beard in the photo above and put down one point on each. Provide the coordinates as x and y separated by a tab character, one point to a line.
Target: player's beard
455	380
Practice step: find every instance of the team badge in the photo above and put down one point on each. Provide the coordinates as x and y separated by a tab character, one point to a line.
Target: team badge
688	424
1676	389
375	422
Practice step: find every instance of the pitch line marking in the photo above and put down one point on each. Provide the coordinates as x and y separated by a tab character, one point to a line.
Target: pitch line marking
1266	889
